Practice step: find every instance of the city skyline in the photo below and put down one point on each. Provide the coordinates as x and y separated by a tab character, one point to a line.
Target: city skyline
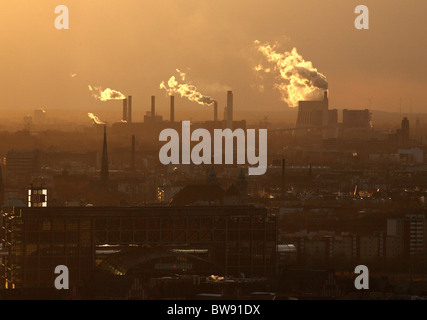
226	150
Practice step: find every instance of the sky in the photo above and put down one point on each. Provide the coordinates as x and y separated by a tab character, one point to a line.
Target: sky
133	45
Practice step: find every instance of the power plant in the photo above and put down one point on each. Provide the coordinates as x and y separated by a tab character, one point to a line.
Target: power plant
153	122
313	117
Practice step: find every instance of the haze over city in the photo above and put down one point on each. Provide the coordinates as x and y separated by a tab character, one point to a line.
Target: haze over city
213	150
132	46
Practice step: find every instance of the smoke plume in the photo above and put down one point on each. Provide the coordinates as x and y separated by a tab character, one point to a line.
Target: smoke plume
298	79
95	119
107	94
185	90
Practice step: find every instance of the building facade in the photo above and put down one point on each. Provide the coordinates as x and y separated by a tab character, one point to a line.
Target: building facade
239	240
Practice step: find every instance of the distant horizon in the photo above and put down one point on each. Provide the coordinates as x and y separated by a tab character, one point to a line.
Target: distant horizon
381	119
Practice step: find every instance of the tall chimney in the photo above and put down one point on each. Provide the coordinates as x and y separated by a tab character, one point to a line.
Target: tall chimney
216	111
230	109
129	109
125	110
133	153
153	106
172	119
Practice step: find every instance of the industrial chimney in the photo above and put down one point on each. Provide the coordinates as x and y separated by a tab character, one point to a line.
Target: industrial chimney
230	109
125	110
172	115
216	111
129	109
153	106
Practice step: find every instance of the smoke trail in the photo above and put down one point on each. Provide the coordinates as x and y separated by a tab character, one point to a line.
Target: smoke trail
299	80
107	94
95	118
185	90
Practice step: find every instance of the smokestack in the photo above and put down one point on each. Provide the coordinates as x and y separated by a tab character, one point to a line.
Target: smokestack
130	109
125	110
230	109
153	106
215	111
172	120
133	153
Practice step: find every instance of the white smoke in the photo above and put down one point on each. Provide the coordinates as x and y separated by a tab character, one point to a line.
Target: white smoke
298	79
185	90
107	94
95	119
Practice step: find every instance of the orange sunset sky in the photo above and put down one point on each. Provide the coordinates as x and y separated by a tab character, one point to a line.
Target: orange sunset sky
134	45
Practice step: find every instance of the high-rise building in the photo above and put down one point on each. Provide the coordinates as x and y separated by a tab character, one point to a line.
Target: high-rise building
411	232
22	165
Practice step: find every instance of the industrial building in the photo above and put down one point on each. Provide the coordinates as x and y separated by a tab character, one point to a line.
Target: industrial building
153	123
411	232
357	119
316	120
237	240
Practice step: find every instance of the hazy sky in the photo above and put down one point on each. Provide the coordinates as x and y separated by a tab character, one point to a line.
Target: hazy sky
133	45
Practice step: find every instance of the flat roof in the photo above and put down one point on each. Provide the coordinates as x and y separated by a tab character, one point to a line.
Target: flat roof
146	211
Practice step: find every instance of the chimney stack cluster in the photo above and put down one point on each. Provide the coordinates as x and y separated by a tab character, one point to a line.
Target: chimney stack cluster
228	111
